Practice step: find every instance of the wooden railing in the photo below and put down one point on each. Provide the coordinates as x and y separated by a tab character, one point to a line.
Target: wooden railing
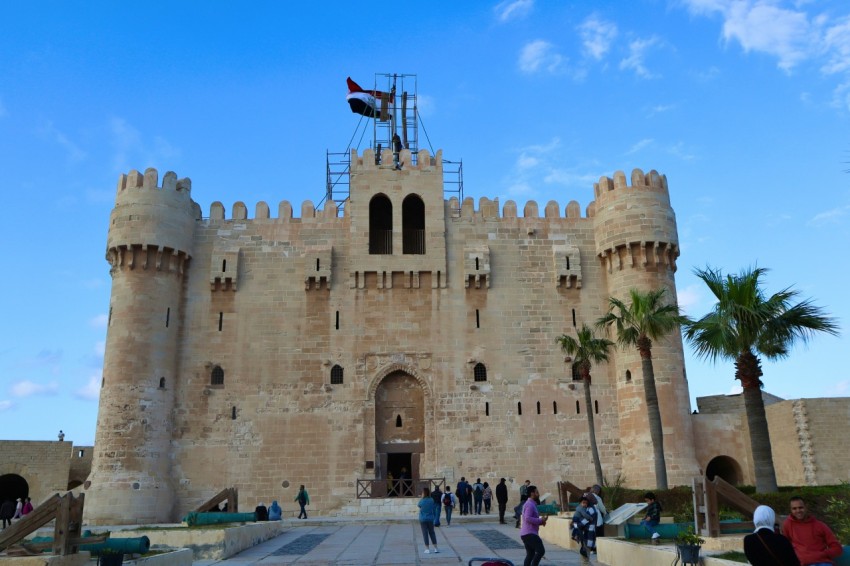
67	510
229	494
410	488
706	511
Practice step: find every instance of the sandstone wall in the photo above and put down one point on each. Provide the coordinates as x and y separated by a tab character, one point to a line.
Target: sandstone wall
43	465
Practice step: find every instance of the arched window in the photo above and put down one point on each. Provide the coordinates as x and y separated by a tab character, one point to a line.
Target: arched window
398	421
217	376
380	225
628	375
413	225
479	372
336	375
162	383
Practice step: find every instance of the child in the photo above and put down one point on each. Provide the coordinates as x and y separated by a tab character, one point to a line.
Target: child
584	527
653	515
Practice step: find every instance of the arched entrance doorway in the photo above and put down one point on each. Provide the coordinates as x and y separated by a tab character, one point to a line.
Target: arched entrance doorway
399	432
725	467
13	486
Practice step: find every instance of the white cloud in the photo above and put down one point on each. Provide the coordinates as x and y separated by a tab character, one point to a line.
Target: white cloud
640	145
513	9
736	389
571	178
5	405
765	28
525	161
133	152
91	390
832	216
539	55
99	321
596	36
836	42
74	152
637	53
690	298
679	150
519	189
29	388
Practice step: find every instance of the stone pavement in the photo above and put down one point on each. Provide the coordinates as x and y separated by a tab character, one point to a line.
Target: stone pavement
393	542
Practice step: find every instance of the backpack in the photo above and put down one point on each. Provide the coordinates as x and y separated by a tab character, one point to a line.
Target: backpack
478	490
447	500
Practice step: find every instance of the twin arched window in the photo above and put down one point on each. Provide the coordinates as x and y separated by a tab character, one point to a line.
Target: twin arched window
381	225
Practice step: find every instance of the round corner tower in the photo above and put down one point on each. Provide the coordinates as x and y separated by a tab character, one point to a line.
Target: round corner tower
637	243
151	230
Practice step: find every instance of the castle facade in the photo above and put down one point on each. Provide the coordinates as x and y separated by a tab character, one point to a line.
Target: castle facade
407	331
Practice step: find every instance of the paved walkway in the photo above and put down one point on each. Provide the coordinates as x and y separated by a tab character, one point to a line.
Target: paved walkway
393	543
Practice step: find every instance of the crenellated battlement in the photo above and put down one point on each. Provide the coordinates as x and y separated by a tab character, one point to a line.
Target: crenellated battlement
652	180
424	161
150	180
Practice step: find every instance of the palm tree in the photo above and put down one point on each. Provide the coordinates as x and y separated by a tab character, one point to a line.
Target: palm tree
744	325
646	318
587	350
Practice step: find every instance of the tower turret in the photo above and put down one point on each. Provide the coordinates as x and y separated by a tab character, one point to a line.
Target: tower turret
150	239
637	243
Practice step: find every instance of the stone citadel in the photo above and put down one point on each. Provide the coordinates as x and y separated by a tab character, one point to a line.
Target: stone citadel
408	331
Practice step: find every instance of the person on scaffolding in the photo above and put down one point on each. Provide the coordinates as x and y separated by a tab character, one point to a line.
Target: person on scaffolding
396	151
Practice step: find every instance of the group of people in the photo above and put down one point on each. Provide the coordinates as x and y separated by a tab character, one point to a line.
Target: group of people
275	511
473	496
803	541
11	510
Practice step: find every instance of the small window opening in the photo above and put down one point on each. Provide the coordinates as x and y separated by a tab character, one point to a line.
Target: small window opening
628	375
578	408
162	383
596	407
487	409
337	320
479	372
476	264
538	407
167	316
224	266
220	320
336	375
684	374
519	408
574	317
398	421
217	376
102	381
477	319
233	413
554	407
317	263
109	322
568	262
81	453
575	372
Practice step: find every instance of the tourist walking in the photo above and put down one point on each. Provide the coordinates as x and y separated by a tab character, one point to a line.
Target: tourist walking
531	523
812	540
303	499
449	503
502	499
426	520
764	547
478	495
27	507
437	496
488	497
7	511
18	509
462	491
523	496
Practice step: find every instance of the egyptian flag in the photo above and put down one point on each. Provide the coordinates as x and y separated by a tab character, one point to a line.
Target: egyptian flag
369	103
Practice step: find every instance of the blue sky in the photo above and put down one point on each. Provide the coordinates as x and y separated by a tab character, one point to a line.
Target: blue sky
744	105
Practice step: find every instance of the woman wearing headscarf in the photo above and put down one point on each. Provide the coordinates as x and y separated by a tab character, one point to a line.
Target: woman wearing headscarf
765	547
275	511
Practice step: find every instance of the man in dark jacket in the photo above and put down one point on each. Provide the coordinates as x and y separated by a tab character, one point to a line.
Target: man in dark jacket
437	496
502	499
7	511
462	492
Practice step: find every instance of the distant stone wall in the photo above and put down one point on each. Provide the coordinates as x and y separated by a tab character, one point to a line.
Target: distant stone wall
45	466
